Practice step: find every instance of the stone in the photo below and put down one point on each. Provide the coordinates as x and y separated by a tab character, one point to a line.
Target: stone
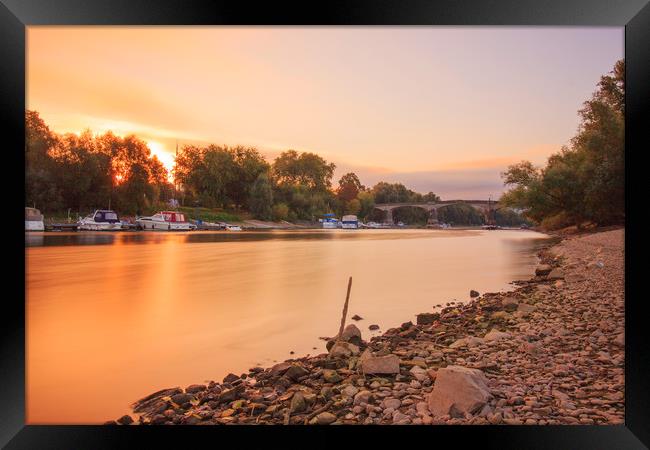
373	327
230	378
298	403
349	391
392	403
125	420
356	317
325	418
181	399
543	270
364	397
419	373
344	350
295	371
464	388
351	334
331	376
194	388
495	335
427	318
388	365
526	308
280	368
473	293
555	274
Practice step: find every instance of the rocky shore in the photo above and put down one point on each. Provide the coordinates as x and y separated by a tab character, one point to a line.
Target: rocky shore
549	352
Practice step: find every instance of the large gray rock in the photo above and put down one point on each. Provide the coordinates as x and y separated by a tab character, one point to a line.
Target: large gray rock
351	334
344	350
461	387
388	364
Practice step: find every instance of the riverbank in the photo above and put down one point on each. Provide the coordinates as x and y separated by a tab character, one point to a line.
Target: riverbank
549	352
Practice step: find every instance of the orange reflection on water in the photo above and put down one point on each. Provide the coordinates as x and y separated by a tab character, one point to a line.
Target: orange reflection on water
108	324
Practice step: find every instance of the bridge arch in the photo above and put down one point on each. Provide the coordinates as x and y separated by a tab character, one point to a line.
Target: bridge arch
485	207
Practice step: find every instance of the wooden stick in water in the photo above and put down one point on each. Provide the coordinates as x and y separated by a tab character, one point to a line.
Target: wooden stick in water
345	310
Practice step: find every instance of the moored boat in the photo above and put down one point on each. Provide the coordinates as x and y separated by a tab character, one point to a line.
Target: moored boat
233	228
350	221
33	220
165	221
100	220
330	221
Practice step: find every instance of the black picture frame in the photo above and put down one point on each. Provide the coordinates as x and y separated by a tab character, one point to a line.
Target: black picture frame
634	15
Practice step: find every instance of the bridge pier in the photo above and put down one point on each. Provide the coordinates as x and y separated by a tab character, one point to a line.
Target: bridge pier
433	217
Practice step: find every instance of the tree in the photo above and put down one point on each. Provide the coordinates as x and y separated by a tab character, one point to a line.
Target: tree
585	180
366	203
261	197
307	169
349	187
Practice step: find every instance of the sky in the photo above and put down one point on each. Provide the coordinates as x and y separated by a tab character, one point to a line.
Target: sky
442	109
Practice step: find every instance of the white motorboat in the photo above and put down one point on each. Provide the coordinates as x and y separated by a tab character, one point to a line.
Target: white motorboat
33	220
100	220
233	228
165	221
330	221
350	221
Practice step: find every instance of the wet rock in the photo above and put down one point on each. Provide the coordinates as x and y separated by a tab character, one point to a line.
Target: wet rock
388	364
464	388
473	293
181	399
349	391
373	327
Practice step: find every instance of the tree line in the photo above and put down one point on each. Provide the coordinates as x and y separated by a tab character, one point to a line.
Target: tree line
584	182
83	172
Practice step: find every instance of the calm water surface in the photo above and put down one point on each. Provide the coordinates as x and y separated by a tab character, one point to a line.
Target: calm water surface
112	317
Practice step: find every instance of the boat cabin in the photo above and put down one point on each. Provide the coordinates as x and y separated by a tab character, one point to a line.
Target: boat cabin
106	215
173	216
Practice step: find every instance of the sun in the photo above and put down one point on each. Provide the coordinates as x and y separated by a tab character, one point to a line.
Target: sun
165	157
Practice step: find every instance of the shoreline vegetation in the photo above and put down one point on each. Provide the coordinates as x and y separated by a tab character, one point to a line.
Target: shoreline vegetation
549	352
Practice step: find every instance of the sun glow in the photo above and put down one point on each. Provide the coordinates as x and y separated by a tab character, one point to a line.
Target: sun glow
165	157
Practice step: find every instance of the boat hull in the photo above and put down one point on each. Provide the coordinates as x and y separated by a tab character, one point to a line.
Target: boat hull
99	226
163	226
34	225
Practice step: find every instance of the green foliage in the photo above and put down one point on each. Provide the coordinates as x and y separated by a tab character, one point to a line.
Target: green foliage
280	211
208	214
304	169
394	193
506	217
219	176
261	198
349	187
410	215
366	204
460	214
585	181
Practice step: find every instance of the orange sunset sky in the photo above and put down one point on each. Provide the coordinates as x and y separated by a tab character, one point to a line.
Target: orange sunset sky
441	109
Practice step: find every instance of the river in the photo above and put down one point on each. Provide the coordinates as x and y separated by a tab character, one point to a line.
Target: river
112	317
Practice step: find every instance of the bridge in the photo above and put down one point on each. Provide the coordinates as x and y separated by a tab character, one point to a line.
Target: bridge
485	207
